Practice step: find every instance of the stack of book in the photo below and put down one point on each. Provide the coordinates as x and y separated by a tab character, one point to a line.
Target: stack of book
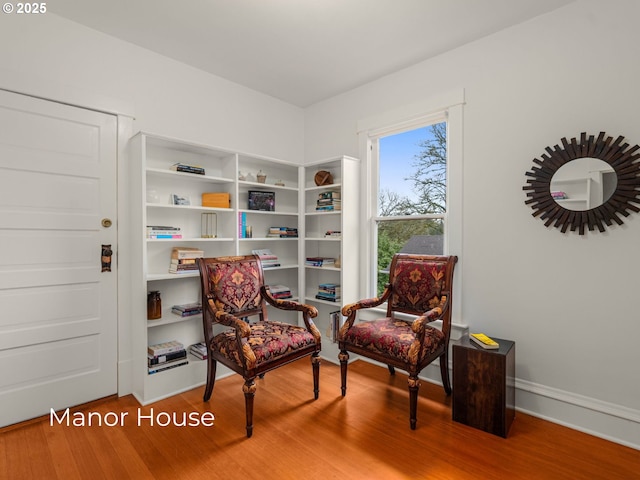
329	201
267	258
329	291
162	231
164	356
336	323
337	234
187	309
183	167
183	259
282	232
559	195
199	350
280	291
320	262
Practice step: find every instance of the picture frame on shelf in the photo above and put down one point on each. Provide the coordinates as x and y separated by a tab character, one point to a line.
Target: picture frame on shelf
262	201
180	199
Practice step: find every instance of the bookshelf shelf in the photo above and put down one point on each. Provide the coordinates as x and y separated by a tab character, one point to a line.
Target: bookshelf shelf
267	239
197	208
169	318
254	185
187	176
335	269
152	277
190	239
263	212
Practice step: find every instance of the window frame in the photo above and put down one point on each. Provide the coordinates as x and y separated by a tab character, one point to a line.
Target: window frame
447	107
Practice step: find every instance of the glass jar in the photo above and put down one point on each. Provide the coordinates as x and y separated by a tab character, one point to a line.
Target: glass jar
154	305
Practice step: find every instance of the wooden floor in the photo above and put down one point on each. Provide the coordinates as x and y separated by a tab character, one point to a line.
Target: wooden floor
365	435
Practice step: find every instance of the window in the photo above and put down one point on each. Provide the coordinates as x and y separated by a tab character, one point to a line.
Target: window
434	227
411	195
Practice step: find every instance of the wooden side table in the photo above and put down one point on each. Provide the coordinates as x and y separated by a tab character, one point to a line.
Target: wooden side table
483	386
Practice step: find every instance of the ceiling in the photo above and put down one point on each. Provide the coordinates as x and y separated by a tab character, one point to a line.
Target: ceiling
300	51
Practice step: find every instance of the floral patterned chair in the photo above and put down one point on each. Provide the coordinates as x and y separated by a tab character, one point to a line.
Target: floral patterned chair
419	285
233	291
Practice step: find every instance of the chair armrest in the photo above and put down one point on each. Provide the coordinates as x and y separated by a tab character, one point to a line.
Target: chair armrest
432	315
242	332
308	312
288	304
242	329
418	326
350	309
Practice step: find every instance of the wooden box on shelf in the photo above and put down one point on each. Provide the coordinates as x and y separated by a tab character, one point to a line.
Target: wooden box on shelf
216	199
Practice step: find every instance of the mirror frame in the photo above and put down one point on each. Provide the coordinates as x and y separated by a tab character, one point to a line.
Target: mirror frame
625	163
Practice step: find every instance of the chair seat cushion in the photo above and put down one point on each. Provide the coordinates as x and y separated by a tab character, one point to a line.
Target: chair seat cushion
269	341
392	338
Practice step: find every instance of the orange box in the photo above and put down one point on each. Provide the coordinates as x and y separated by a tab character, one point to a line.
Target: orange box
216	199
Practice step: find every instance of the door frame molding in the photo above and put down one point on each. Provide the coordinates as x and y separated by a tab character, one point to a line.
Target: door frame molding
51	90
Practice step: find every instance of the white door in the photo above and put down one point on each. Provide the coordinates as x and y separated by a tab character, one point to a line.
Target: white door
58	324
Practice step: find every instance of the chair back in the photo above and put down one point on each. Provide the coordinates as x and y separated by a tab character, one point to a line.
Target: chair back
420	283
233	284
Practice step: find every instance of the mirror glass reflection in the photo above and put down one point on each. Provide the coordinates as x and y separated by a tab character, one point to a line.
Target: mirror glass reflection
583	184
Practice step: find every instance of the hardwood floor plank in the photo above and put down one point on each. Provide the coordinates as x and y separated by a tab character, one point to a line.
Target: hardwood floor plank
61	452
363	435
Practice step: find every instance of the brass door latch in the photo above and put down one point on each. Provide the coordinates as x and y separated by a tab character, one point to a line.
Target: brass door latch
106	258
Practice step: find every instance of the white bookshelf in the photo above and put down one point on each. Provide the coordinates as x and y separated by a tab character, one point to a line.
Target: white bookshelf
346	181
152	184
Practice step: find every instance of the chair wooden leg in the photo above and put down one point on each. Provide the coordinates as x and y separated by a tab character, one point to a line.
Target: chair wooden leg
444	371
344	359
249	389
414	386
392	370
315	364
211	378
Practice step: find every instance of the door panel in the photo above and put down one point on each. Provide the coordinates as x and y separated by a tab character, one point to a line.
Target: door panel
58	326
72	310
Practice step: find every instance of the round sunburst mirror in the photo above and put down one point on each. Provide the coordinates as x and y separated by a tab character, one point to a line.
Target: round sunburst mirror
585	184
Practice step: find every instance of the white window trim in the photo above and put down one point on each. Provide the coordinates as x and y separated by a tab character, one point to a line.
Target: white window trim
447	106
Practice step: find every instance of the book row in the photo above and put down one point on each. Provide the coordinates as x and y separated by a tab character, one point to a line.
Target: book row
169	355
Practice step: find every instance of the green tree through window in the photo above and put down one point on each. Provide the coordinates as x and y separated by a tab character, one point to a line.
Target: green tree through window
421	156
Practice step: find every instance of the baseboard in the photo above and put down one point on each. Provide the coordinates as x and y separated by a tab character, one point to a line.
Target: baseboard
612	422
615	423
157	398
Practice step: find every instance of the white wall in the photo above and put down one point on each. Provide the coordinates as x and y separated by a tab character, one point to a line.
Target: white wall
569	302
166	97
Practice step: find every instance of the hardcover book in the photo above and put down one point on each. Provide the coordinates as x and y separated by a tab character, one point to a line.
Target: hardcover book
482	340
164	348
185	168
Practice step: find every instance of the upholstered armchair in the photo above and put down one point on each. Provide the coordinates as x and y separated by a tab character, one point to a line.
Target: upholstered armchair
420	287
234	294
